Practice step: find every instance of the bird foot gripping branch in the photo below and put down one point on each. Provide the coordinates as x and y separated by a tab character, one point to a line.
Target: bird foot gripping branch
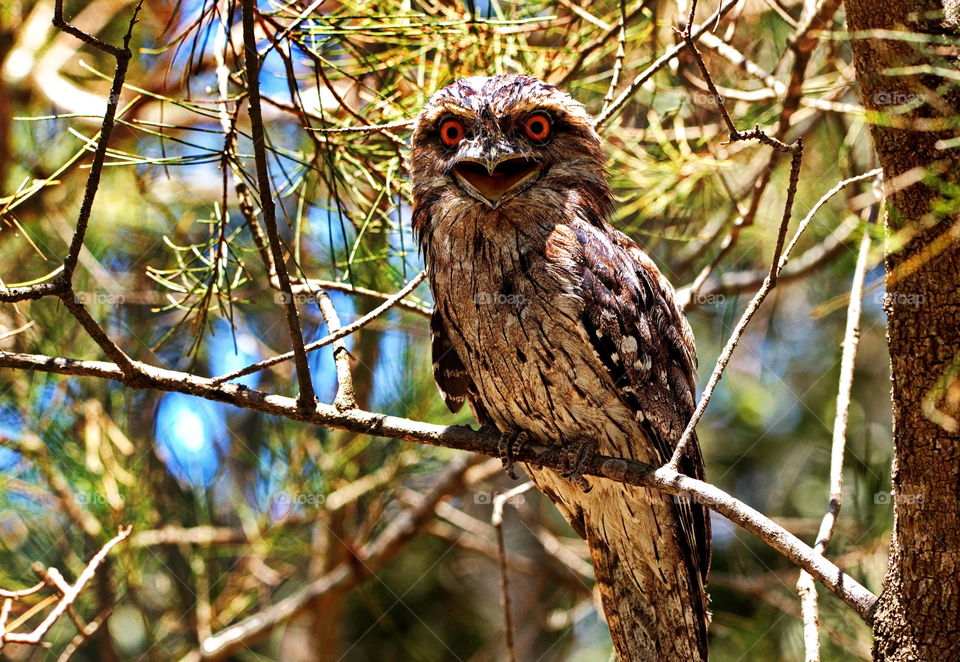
576	456
511	443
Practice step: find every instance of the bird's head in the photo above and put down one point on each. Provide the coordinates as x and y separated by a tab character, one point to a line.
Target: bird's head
504	141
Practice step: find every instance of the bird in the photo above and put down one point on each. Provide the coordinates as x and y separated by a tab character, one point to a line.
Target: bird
556	327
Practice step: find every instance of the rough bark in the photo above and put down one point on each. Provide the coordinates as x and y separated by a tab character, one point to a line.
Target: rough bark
918	614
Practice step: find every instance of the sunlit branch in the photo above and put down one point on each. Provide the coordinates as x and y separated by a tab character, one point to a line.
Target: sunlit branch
345	398
851	339
68	594
769	282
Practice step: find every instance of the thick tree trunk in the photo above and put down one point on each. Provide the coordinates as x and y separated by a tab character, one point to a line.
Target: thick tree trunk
918	616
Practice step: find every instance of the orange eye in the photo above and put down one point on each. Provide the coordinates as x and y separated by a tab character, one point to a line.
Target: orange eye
451	132
537	127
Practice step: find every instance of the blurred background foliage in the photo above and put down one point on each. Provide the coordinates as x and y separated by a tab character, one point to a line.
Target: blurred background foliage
174	272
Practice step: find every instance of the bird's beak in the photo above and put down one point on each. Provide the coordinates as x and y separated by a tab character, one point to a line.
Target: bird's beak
490	175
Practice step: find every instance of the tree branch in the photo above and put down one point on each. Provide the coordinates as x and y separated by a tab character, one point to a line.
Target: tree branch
345	398
367	560
614	107
306	397
61	284
466	439
334	335
496	519
68	594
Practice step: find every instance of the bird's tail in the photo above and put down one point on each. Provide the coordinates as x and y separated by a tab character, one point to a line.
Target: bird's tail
649	578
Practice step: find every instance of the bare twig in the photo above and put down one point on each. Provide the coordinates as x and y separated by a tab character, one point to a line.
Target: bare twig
119	52
38	291
345	398
792	97
13	332
313	284
61	284
306	397
768	284
497	520
22	593
83	634
123	56
93	328
618	60
658	64
716	98
851	337
333	336
68	594
779	256
221	46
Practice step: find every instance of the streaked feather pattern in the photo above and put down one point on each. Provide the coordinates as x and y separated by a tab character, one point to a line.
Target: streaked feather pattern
549	320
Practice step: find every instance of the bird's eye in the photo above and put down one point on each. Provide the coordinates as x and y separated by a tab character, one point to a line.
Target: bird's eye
537	127
451	132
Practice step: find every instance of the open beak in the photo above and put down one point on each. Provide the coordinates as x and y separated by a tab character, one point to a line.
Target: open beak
490	180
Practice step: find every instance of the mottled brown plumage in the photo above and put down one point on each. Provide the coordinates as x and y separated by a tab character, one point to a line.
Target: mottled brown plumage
550	321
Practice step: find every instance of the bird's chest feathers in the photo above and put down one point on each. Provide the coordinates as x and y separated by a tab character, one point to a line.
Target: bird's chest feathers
513	309
509	287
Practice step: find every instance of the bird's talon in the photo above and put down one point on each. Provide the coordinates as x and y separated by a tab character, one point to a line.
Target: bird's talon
510	444
503	449
518	442
575	458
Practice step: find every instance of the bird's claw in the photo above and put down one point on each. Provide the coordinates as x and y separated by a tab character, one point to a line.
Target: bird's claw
510	444
575	458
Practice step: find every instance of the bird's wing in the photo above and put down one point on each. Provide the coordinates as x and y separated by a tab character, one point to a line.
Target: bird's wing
645	343
448	370
451	375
